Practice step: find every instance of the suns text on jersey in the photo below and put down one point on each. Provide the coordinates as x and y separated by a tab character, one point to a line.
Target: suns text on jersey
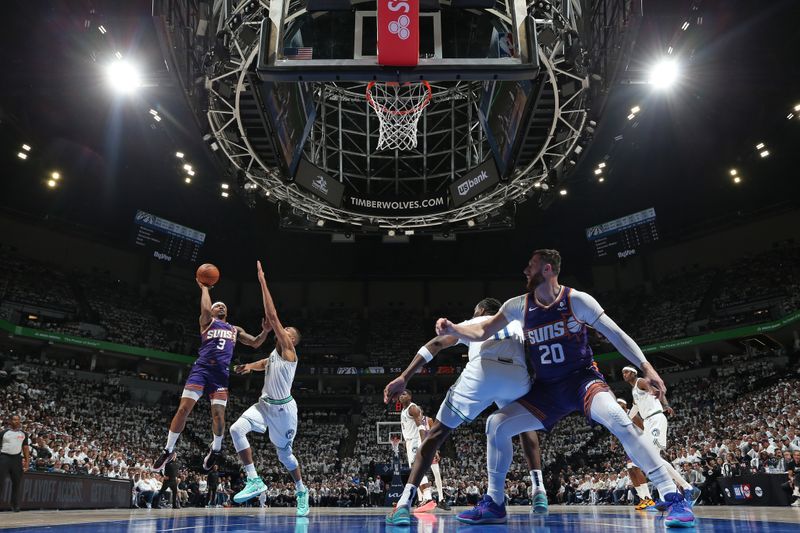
547	332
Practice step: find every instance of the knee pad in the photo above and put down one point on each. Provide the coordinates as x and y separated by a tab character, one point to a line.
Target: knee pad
239	431
287	458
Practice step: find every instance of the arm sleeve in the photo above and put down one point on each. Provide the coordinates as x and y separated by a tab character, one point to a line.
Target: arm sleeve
584	307
514	309
634	411
466	323
621	341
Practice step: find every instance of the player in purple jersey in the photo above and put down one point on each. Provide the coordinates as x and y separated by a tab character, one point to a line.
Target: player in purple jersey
555	321
209	375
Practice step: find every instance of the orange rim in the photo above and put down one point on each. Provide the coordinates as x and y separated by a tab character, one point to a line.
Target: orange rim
374	105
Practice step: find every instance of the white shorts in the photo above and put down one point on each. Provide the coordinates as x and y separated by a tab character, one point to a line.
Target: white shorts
482	383
280	419
655	429
411	453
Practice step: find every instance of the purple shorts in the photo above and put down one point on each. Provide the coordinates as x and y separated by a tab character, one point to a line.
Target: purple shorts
208	380
552	401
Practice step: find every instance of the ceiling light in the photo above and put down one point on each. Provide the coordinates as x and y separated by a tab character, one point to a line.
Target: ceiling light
602	179
759	146
598	171
102	29
187	179
123	76
320	222
631	116
797	107
391	233
790	116
26	147
737	179
224	194
118	55
563	192
224	186
685	26
51	183
409	232
157	118
669	50
537	185
601	165
764	153
154	112
190	172
664	74
22	155
636	109
187	166
733	172
55	175
179	155
471	223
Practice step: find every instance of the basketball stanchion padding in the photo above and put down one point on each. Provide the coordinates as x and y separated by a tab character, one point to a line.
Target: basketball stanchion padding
398	106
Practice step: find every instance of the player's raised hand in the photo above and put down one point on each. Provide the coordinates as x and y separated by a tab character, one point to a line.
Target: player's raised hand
657	385
444	327
394	389
241	369
260	271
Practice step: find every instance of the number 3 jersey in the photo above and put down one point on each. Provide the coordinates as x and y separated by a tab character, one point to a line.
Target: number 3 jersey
216	344
556	336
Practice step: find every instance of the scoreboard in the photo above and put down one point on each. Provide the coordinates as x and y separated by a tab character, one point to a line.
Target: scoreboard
168	241
623	237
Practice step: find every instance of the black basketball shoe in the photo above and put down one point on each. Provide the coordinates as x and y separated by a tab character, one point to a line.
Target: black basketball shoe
163	459
211	459
443	505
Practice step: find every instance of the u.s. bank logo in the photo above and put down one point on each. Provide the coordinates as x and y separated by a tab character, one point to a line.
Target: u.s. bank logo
321	184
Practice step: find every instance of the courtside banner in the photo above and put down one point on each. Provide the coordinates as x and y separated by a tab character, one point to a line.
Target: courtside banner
398	33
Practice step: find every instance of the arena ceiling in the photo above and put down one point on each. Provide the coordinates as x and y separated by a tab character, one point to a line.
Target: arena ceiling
675	156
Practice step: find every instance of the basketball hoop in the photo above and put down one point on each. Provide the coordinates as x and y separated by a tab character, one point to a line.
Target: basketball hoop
398	106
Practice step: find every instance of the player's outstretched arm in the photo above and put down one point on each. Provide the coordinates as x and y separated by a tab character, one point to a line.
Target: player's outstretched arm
631	351
257	366
284	339
249	340
472	332
205	306
424	355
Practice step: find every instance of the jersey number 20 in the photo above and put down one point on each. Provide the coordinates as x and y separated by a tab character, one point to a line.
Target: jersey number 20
554	350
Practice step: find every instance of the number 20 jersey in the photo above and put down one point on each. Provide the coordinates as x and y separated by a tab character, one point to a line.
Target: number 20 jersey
216	344
556	336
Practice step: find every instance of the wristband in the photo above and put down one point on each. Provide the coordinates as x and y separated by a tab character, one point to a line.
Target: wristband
425	353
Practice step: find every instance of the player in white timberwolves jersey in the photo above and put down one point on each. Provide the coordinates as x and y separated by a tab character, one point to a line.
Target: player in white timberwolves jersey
496	373
275	411
412	424
653	414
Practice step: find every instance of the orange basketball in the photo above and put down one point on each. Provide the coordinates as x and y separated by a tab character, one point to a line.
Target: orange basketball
208	274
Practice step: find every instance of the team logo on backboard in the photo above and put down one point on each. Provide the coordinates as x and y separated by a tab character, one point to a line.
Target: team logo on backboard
399	27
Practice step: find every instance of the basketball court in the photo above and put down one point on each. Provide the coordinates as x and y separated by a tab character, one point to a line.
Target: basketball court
560	519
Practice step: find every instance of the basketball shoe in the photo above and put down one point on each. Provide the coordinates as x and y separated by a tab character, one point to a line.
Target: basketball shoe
539	504
302	502
253	487
486	512
425	507
400	516
163	459
680	514
211	458
644	503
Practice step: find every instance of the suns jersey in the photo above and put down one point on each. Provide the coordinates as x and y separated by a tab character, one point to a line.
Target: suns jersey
506	345
556	336
408	425
278	377
646	403
216	343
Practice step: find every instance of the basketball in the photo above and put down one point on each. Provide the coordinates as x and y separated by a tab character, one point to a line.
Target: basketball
207	274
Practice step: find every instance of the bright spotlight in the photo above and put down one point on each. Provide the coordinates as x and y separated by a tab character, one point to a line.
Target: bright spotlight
737	179
187	167
636	109
471	223
123	76
320	222
602	179
187	180
598	171
179	155
759	146
56	176
22	155
601	165
764	153
51	183
224	186
224	194
631	116
26	147
391	233
563	192
797	107
733	172
664	74
190	172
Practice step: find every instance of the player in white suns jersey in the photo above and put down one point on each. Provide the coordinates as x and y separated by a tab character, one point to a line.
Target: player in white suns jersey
495	374
275	411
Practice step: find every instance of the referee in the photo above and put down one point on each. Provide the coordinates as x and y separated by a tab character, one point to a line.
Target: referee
14	445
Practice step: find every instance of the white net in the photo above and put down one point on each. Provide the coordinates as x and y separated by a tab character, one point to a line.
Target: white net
398	106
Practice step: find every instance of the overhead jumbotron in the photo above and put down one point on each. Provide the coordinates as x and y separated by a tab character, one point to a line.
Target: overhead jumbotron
397	117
